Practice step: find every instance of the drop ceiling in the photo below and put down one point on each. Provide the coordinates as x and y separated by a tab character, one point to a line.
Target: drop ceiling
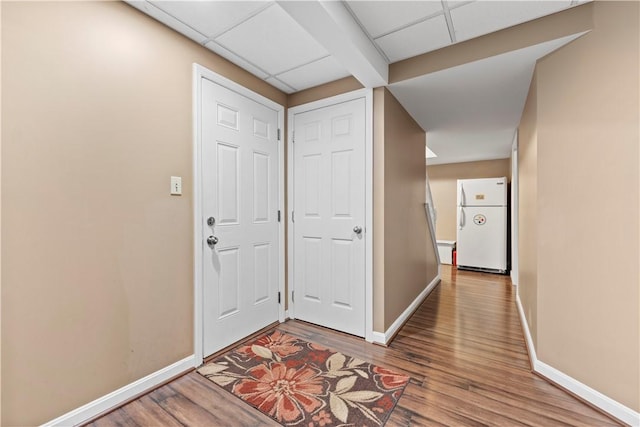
470	112
261	37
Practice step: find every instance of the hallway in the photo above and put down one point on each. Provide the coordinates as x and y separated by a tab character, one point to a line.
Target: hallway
463	349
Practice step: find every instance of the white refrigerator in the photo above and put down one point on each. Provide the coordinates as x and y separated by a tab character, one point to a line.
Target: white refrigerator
482	224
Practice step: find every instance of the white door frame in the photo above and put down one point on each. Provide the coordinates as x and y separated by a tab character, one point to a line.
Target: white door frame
200	72
515	209
367	94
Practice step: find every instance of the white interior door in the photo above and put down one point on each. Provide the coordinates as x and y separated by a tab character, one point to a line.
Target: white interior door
329	216
240	192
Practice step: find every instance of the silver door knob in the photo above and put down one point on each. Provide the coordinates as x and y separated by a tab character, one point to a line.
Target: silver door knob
212	241
357	229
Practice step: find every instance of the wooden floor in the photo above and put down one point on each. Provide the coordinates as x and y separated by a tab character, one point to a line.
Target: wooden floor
463	349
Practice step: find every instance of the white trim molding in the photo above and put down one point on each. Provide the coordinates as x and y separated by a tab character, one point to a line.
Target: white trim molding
525	329
384	337
594	397
605	403
514	209
123	394
200	72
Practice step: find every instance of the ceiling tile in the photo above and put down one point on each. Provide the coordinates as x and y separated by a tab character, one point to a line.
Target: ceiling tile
483	17
419	38
273	41
168	20
278	84
313	74
382	17
457	3
240	62
211	17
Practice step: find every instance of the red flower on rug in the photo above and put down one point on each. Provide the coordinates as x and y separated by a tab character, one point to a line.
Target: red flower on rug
388	379
283	393
305	384
278	343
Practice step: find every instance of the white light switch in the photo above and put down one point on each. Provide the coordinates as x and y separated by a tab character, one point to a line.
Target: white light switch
176	185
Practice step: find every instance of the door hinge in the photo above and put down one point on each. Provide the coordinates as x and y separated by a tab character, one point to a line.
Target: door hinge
278	134
293	216
293	296
278	297
293	136
278	216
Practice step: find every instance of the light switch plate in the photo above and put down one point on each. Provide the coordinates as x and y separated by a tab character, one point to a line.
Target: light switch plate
176	185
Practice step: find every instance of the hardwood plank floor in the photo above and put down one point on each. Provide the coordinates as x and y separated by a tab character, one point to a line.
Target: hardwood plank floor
463	349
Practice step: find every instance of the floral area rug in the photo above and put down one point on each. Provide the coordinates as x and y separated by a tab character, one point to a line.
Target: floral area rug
299	383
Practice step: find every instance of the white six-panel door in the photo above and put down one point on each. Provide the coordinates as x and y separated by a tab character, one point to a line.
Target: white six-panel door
240	192
329	216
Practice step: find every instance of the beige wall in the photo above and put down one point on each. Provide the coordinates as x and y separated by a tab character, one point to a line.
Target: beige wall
97	256
443	180
347	84
378	209
409	258
588	189
527	212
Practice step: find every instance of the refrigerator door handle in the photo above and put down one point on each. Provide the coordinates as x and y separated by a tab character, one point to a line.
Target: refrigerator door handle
463	202
461	220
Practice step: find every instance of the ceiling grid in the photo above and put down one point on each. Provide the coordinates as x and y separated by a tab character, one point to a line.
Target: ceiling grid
297	45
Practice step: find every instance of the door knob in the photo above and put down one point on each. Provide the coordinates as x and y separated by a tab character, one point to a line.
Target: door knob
212	241
357	229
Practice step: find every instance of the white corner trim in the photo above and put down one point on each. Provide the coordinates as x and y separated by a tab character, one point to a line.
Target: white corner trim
379	338
118	397
610	406
594	397
527	333
384	338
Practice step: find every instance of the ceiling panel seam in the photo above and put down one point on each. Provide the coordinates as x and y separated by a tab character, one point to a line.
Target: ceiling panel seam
333	26
293	89
204	36
409	24
242	58
303	65
455	6
447	18
366	33
240	22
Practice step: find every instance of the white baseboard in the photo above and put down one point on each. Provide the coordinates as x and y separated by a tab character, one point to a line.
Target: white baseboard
118	397
610	406
594	397
527	333
384	338
379	338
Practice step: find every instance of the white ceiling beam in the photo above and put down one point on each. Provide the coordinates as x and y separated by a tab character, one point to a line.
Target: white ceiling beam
331	24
